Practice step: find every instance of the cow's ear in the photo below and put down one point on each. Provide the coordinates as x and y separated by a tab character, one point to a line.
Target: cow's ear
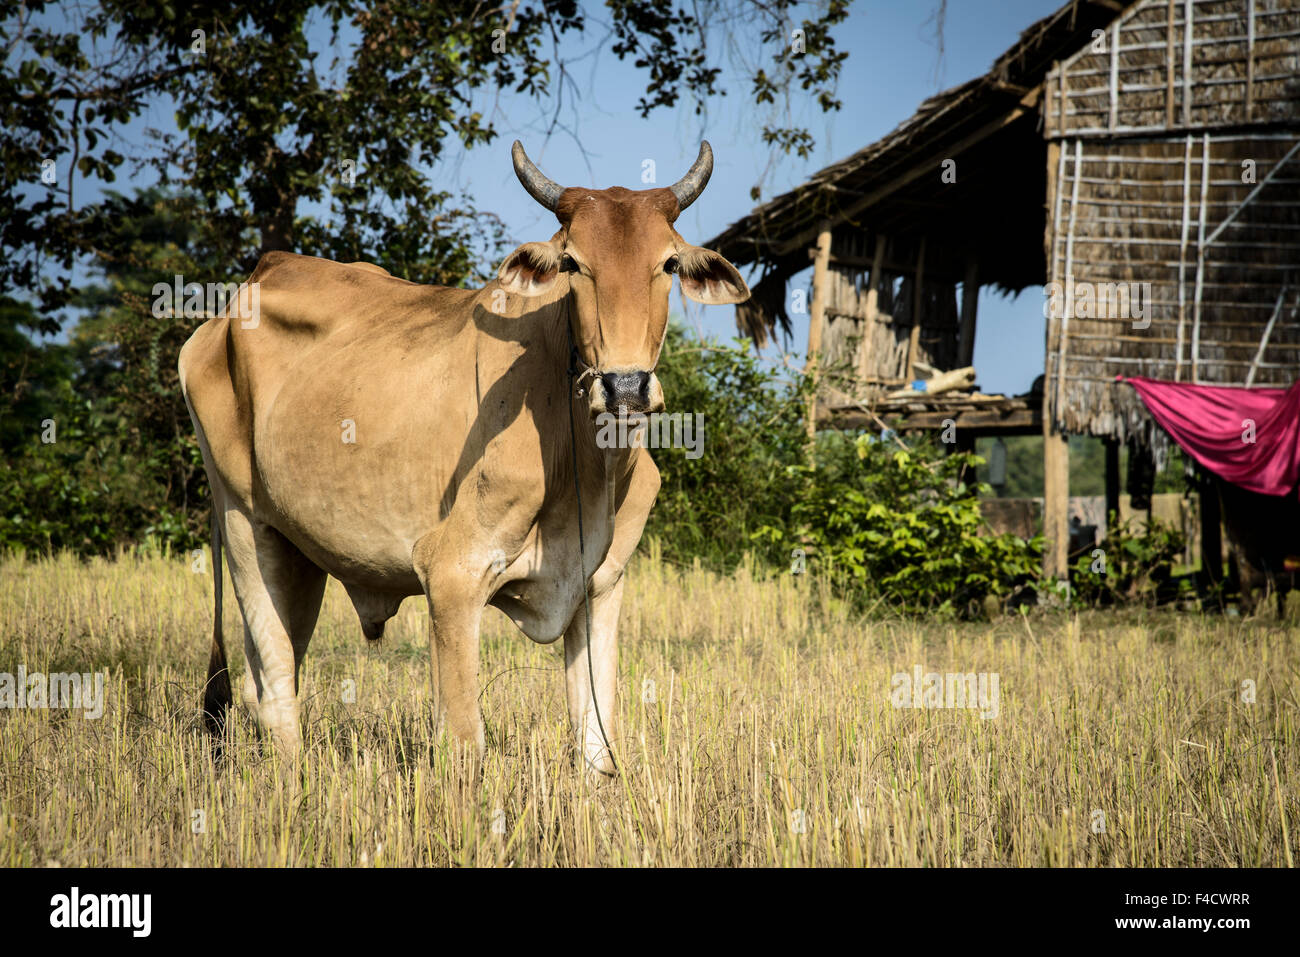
708	278
531	270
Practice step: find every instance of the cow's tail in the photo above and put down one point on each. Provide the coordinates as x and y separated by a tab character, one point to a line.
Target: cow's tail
216	693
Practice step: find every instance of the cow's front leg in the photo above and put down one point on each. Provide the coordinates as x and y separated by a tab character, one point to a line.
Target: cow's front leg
594	745
454	656
454	588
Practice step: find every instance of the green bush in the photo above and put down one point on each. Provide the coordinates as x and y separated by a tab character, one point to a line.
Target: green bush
89	491
899	526
709	507
1132	564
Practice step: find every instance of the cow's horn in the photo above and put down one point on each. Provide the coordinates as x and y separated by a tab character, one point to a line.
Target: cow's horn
688	188
545	191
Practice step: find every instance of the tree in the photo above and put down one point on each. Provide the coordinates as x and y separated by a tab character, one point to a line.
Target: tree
98	446
300	102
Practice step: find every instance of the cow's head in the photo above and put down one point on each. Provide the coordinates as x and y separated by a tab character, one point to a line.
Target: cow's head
618	252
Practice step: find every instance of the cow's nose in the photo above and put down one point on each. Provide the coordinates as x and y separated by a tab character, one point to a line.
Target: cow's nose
630	389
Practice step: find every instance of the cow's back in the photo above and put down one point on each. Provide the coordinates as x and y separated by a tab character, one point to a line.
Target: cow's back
234	364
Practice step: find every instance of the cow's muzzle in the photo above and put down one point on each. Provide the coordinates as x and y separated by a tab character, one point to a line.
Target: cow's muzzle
635	392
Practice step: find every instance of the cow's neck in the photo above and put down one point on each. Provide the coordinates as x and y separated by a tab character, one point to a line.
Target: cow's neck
597	467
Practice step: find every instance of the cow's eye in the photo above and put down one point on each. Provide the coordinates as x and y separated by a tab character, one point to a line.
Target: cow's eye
671	265
567	264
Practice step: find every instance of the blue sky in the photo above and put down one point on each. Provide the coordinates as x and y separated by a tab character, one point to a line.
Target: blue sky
894	63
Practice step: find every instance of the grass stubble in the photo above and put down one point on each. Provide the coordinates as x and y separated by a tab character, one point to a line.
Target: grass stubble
757	730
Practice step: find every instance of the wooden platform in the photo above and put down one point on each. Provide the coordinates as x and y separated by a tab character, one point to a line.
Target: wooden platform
973	414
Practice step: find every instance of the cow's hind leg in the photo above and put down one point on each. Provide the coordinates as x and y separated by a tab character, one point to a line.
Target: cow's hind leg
279	591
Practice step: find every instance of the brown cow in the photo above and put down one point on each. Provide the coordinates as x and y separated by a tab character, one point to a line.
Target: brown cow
411	439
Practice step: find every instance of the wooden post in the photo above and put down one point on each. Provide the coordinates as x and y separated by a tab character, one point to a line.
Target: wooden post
1211	536
1169	66
1112	484
1056	501
1056	462
1200	260
1063	329
821	275
965	442
872	309
1182	256
1060	99
918	299
1114	73
970	296
1250	56
1188	33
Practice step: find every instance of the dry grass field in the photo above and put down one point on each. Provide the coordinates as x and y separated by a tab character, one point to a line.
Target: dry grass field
758	729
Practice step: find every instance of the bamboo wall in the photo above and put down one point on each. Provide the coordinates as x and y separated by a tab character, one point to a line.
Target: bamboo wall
866	342
1208	222
1194	64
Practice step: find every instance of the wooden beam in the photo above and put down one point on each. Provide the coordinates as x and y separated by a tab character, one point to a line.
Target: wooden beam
872	307
1112	484
1052	210
1200	260
1169	65
821	277
1061	98
1250	56
1263	339
1114	74
1019	421
1188	31
916	170
1063	328
918	300
1015	89
1182	256
1211	536
1056	450
970	296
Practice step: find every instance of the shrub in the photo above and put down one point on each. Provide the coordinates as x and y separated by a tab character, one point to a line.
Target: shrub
900	526
1133	564
709	507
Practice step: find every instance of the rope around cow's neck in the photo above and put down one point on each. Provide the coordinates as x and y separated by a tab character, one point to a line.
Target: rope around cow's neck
574	359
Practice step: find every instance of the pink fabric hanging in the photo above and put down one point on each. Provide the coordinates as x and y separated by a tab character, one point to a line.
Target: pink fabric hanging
1213	424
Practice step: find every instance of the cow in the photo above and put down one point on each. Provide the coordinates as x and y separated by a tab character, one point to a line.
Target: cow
413	439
